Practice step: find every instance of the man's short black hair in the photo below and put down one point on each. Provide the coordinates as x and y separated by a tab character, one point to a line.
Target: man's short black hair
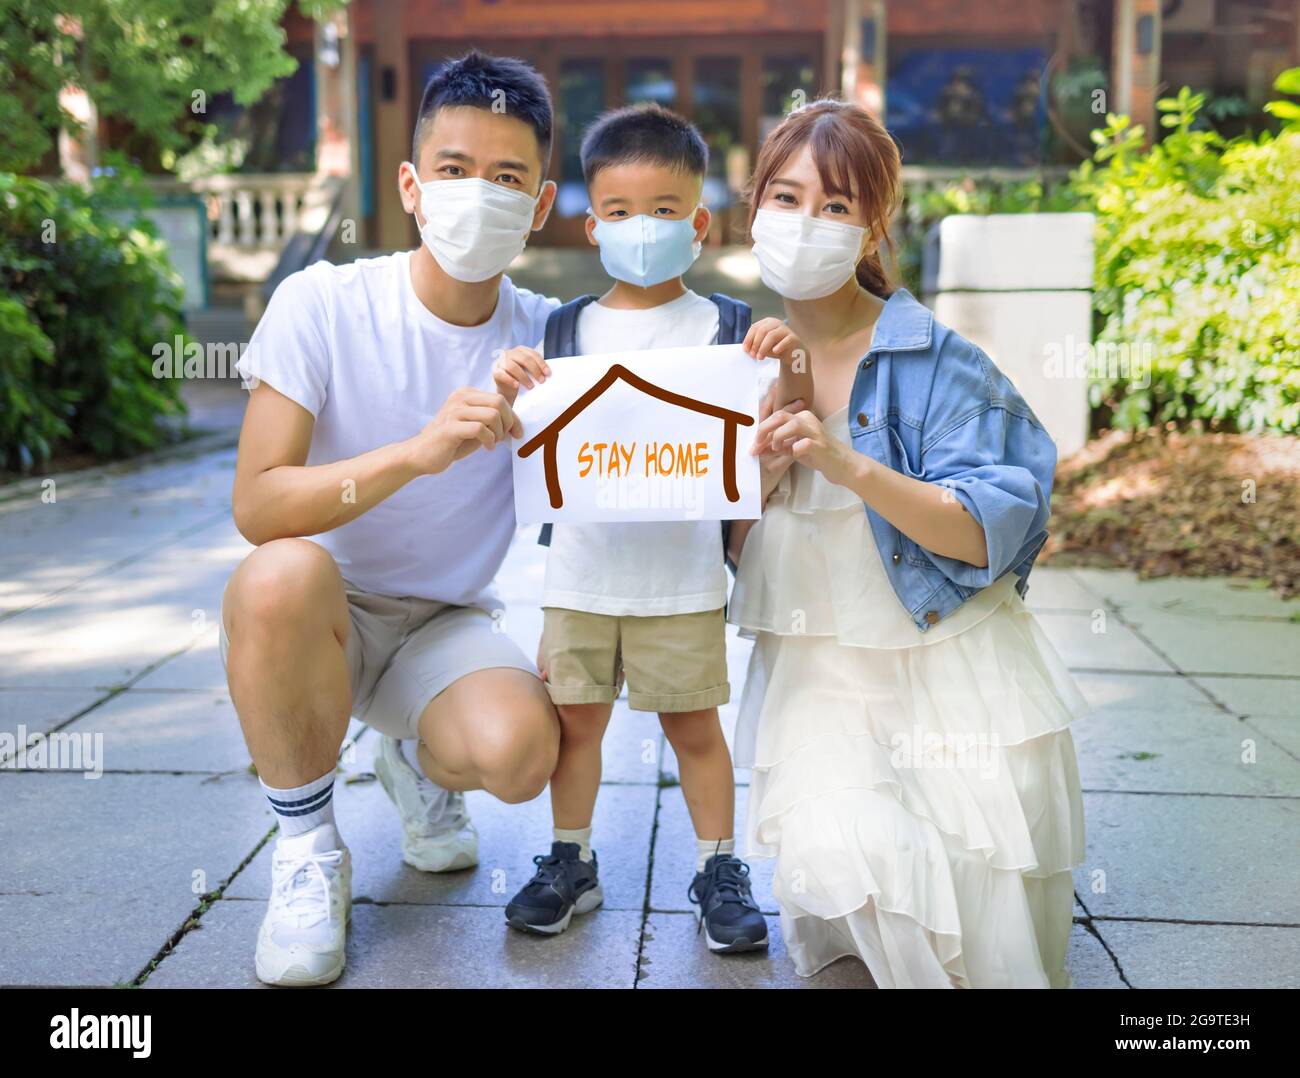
496	83
646	132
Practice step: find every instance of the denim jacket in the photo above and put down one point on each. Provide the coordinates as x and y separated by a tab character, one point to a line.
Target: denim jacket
930	404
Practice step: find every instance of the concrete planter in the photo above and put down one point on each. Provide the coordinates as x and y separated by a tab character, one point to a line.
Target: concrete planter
1019	285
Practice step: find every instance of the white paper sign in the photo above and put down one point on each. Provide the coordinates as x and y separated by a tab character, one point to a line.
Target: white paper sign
657	434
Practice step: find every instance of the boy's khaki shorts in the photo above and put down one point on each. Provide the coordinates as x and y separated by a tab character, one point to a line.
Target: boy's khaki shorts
672	662
402	652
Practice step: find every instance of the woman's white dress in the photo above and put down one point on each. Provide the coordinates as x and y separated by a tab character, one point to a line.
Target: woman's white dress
918	790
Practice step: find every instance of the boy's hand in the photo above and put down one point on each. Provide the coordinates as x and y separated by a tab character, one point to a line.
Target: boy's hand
772	464
772	337
519	368
541	658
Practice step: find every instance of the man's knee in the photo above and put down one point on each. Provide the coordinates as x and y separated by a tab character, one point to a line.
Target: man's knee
285	581
515	758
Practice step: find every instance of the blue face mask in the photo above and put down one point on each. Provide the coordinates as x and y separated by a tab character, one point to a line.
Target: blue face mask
646	250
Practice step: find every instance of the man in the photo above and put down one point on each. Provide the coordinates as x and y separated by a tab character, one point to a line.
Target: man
379	530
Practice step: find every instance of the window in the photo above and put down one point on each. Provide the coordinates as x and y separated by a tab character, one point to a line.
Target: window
581	99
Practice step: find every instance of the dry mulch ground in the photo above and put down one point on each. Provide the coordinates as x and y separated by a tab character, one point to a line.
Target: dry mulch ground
1184	504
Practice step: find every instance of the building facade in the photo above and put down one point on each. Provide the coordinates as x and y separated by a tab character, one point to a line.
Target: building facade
973	83
962	85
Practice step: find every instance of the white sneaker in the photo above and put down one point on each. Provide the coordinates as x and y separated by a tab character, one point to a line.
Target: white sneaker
437	835
304	932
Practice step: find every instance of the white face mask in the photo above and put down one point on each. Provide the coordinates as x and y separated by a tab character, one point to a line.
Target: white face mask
802	257
474	228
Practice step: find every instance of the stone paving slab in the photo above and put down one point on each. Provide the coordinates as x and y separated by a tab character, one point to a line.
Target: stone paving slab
1153	954
1191	858
1201	645
1134	691
113	860
62	941
1255	696
1184	746
95	524
509	837
674	955
1283	732
1117	648
1089	963
1213	597
674	855
176	731
421	947
40	710
197	670
1061	591
111	628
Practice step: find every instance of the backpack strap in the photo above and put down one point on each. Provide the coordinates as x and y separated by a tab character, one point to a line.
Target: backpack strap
734	318
561	339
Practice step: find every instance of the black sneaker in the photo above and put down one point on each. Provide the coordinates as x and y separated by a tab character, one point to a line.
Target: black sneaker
564	885
728	913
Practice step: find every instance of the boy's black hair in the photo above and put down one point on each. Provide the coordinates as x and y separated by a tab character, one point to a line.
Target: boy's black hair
496	83
646	132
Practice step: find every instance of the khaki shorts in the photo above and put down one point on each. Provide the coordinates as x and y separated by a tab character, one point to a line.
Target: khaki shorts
672	662
402	652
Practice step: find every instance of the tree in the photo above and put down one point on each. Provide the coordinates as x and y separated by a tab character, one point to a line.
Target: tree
154	64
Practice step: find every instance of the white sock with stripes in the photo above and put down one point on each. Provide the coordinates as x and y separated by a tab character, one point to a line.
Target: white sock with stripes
303	808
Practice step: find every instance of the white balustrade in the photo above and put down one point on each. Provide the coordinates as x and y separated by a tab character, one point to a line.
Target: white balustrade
253	211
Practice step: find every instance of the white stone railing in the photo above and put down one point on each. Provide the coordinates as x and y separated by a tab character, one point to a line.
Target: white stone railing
252	216
248	210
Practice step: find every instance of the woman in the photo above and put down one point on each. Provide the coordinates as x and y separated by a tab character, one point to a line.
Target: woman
906	720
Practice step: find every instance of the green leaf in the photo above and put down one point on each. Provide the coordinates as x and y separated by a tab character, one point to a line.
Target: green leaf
1288	82
1283	110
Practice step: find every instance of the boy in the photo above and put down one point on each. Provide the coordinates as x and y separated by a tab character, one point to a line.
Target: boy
643	600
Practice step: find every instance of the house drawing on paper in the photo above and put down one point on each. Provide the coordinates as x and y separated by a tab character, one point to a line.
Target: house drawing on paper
549	437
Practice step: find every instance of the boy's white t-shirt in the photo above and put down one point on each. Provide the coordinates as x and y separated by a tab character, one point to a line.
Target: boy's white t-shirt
354	345
640	568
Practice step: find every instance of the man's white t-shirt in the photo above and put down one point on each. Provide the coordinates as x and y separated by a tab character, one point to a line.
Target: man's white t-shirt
640	568
354	345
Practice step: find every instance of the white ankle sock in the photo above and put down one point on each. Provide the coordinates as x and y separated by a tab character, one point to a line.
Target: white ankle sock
580	835
303	808
707	847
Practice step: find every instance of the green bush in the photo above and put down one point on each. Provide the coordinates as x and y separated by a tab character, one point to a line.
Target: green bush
86	292
1198	268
